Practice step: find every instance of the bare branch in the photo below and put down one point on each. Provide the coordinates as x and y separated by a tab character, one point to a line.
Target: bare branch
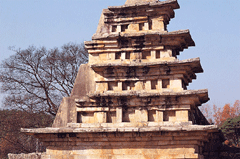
41	77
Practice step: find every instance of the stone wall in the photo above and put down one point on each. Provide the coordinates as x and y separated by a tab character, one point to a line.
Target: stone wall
28	156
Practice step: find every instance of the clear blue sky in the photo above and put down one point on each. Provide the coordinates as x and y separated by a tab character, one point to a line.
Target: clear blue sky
214	26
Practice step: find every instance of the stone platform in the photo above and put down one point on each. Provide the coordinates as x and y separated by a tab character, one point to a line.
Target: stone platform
121	141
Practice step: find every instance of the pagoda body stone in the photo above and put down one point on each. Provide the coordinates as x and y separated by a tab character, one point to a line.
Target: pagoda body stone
131	99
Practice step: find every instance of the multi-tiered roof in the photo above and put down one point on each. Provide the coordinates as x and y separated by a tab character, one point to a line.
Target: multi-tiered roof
135	62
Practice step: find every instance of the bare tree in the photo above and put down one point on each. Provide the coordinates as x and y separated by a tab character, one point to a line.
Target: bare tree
36	79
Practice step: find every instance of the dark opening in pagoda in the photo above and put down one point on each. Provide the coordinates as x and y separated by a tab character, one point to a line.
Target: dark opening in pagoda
128	55
126	86
141	25
158	54
118	55
111	116
165	83
114	28
151	115
150	25
154	84
146	54
168	114
124	27
111	85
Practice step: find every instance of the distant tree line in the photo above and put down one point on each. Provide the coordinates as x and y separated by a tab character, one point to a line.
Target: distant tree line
11	140
228	120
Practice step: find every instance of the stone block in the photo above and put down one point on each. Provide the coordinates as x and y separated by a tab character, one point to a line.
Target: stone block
182	116
133	27
119	114
140	116
100	117
103	86
176	84
158	24
159	116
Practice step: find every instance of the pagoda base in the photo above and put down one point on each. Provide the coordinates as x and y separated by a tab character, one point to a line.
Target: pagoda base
118	151
142	143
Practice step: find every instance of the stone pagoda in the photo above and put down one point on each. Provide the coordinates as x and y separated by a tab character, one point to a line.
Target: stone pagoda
131	100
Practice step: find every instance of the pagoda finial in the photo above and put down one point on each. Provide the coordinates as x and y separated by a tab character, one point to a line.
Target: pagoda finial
138	1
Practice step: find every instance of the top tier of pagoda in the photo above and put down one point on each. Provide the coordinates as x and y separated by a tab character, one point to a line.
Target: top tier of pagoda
135	36
137	31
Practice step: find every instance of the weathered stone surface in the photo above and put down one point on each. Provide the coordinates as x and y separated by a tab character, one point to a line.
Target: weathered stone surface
194	63
137	127
138	1
27	156
84	83
63	117
182	38
128	143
